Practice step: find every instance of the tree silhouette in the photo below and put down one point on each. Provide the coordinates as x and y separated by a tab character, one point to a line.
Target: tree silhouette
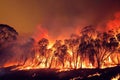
43	49
97	49
7	33
88	33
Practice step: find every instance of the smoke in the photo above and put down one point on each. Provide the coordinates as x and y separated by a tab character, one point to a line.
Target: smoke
59	17
115	22
63	17
16	52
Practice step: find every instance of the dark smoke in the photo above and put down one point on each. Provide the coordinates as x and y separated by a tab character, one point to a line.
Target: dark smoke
14	49
17	51
65	15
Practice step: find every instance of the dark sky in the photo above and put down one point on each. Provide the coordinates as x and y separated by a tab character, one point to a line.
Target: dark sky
57	16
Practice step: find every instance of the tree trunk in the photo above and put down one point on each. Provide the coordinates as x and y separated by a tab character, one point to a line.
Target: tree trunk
46	61
51	62
76	60
98	64
71	63
81	60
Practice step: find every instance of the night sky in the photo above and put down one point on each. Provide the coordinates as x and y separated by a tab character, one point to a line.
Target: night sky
57	16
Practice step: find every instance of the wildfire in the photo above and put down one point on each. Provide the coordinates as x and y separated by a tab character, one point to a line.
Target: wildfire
89	49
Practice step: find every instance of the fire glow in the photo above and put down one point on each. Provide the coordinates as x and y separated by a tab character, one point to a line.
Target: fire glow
89	49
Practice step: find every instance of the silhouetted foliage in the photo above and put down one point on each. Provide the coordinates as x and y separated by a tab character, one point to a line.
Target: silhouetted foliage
7	33
91	45
97	48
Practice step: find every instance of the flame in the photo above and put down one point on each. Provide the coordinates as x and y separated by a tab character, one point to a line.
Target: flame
40	33
116	77
63	55
115	23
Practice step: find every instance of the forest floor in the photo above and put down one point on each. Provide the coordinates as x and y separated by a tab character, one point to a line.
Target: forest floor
53	74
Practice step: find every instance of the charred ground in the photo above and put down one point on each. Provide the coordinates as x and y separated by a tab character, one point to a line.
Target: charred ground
52	74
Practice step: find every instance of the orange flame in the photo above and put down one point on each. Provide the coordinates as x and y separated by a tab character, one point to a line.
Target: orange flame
40	33
115	23
67	61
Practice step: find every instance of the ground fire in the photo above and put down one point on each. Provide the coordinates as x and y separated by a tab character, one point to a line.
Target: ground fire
91	49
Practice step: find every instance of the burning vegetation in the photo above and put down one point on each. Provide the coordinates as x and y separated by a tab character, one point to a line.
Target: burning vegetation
88	49
92	49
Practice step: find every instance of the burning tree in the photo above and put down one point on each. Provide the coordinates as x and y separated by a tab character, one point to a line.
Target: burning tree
43	50
88	33
97	49
89	49
92	48
72	45
59	52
